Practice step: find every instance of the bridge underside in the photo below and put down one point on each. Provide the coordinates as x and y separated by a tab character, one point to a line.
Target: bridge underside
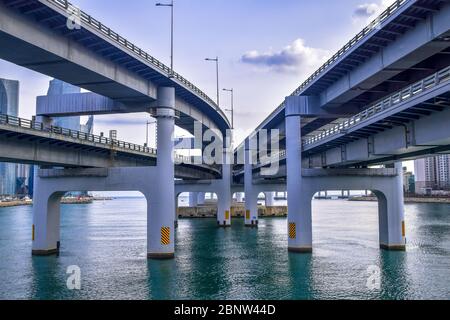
416	129
87	58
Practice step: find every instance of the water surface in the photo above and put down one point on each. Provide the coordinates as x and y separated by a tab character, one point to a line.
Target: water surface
107	240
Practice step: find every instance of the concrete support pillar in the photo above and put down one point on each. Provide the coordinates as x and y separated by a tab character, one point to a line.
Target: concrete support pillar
176	211
47	122
299	206
251	195
224	196
46	220
200	198
193	199
392	215
161	208
270	199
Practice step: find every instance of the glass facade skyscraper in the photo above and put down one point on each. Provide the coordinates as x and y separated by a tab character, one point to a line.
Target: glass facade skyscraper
9	105
58	87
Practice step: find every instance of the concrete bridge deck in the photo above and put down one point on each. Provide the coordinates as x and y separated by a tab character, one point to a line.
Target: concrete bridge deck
31	142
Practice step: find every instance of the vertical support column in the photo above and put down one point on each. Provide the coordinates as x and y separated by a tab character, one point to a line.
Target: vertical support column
193	199
224	197
200	198
270	199
299	209
176	212
46	219
251	195
161	208
392	220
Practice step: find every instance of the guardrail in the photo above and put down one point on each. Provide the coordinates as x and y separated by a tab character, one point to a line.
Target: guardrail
384	104
354	41
124	43
82	136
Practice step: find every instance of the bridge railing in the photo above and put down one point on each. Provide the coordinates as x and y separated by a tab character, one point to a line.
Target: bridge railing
79	135
383	104
355	40
391	10
130	47
84	136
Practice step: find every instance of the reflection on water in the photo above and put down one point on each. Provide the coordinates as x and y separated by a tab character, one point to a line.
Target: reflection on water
107	240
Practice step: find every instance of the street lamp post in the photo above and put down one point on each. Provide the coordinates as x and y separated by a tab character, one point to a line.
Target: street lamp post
171	5
216	60
232	106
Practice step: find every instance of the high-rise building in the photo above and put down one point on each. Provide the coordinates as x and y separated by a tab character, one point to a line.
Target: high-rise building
9	105
432	173
58	87
408	181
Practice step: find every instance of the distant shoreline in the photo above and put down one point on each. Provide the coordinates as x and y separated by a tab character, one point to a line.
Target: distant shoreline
237	211
407	199
20	203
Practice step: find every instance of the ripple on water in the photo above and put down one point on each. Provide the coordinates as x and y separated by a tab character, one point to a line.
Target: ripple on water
108	242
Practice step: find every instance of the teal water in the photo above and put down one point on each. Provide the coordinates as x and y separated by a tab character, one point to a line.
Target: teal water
107	240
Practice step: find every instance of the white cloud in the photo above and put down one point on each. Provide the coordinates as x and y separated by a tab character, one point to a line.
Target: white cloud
296	57
369	11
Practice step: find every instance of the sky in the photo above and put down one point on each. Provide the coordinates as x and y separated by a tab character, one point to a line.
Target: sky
266	49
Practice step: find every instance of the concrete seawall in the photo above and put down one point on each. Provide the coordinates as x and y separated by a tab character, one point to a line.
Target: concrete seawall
18	203
210	211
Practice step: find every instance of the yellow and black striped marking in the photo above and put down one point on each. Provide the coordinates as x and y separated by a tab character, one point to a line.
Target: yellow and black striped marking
403	229
165	236
32	233
227	215
247	214
292	230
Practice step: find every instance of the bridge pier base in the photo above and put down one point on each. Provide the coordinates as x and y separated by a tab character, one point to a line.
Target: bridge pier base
224	196
251	208
46	220
251	194
392	214
176	212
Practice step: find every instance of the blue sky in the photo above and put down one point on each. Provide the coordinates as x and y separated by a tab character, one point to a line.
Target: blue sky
266	48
